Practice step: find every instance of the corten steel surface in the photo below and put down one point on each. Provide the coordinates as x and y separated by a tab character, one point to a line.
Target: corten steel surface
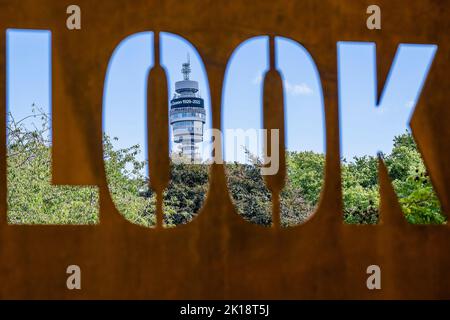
219	255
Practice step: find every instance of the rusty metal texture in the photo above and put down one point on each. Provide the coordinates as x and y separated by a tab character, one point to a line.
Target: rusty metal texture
219	255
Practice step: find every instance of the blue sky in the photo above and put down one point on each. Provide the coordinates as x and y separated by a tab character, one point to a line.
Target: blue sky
365	128
242	94
28	76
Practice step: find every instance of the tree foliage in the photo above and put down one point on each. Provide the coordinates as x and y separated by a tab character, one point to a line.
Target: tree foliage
409	178
33	200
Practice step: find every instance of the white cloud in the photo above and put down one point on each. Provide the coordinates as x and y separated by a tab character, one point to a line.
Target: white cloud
258	79
298	89
295	89
410	104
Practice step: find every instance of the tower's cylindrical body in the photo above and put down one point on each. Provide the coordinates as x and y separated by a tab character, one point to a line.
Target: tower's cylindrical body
187	116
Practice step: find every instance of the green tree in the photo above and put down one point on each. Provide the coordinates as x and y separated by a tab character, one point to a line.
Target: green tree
250	195
305	173
127	184
186	192
298	199
33	200
409	178
360	190
412	183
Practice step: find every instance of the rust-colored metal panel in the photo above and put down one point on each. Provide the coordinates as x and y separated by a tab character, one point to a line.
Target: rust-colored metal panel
219	255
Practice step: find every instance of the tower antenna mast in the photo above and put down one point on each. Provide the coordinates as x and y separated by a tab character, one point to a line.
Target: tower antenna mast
186	70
